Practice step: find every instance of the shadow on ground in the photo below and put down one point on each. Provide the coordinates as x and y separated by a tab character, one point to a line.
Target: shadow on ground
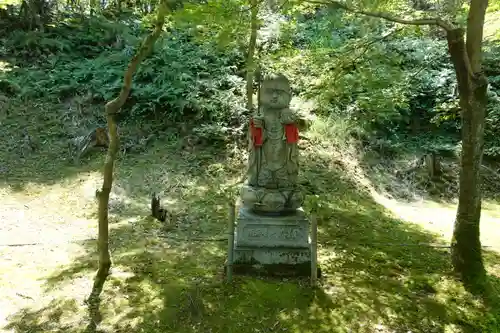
400	179
36	145
381	275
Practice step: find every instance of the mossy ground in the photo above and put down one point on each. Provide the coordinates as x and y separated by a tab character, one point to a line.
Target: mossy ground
381	273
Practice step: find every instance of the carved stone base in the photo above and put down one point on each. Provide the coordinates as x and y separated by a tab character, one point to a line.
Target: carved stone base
267	200
271	256
277	241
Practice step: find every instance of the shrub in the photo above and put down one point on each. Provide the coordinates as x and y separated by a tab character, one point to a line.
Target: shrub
182	80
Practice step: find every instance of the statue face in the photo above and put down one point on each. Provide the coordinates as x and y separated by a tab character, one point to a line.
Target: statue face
275	94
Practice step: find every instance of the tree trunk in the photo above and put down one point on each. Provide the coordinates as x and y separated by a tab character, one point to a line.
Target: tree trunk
472	84
251	51
111	109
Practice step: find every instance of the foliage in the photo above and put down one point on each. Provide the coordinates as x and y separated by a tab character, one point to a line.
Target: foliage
390	81
494	5
182	80
73	38
225	21
492	131
492	69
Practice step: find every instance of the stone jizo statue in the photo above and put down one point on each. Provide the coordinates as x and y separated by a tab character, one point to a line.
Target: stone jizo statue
273	160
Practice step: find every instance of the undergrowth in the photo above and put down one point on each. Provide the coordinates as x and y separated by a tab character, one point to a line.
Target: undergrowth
410	93
379	272
189	79
181	81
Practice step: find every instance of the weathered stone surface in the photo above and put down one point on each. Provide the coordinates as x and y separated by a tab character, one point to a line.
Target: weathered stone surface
271	256
271	200
273	159
272	231
272	240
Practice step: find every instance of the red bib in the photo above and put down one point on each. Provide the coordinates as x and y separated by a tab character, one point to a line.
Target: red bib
291	133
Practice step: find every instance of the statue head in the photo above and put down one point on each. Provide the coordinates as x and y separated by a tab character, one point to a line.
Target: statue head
275	92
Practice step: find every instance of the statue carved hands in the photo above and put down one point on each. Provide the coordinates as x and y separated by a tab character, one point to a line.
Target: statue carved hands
258	121
288	117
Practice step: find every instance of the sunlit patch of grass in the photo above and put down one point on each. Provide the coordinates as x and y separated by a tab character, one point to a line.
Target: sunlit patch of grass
5	66
9	2
377	274
492	208
493	6
324	130
491	25
438	217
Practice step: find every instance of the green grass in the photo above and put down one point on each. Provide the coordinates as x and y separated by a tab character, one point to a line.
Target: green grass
492	27
493	6
378	275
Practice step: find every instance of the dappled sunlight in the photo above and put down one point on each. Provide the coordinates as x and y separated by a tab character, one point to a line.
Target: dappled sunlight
163	281
492	27
491	208
58	315
24	271
439	217
120	305
5	66
326	130
377	275
40	215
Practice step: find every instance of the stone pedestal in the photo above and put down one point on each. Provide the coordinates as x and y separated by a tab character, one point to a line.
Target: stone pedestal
272	242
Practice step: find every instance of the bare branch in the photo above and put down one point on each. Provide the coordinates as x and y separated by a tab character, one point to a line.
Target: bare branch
366	46
368	43
425	21
340	68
